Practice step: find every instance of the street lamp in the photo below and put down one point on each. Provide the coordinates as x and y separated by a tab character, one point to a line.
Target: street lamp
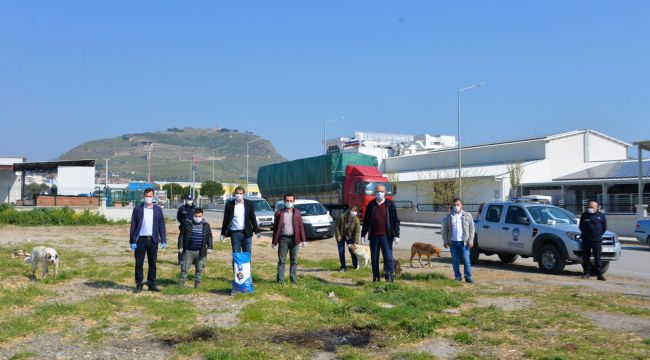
325	131
460	163
248	143
213	150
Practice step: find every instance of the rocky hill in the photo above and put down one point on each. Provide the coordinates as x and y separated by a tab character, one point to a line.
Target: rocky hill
172	151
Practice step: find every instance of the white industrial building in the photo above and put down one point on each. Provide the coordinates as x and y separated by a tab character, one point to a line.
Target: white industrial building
485	168
385	145
10	184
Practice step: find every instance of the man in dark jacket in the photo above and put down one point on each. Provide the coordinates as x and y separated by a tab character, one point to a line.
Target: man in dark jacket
195	245
382	224
239	223
288	233
593	225
184	214
147	231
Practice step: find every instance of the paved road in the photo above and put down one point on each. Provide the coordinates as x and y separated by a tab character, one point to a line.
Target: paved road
633	262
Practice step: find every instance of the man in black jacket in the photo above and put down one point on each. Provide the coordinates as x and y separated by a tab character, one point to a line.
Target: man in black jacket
239	223
195	244
593	225
184	214
382	223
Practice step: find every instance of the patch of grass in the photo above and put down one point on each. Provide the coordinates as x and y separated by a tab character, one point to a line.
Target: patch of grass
463	337
232	354
52	216
172	317
412	356
23	356
97	333
28	324
350	353
646	341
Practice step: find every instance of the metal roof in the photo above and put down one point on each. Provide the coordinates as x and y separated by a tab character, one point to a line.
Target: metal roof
644	145
51	165
612	170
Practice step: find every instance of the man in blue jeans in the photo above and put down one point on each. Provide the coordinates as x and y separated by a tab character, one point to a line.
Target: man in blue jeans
239	222
458	236
381	223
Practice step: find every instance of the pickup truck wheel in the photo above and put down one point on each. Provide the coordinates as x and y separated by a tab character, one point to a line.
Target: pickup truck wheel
551	260
508	258
474	252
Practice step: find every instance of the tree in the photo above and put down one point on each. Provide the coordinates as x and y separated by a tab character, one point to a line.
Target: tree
516	172
212	189
174	190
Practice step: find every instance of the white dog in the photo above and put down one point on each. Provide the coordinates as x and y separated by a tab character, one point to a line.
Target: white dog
45	256
362	252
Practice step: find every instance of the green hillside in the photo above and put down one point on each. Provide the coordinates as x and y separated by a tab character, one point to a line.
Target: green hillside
172	152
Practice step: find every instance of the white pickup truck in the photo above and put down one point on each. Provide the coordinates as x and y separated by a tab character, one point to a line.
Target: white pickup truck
548	234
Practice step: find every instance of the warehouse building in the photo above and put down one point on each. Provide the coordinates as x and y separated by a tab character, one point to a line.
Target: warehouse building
545	163
10	181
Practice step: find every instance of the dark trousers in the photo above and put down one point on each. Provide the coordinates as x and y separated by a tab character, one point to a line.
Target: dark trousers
342	245
287	245
597	248
382	243
146	246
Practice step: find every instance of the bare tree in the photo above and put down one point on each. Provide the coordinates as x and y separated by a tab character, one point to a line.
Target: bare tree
440	186
516	172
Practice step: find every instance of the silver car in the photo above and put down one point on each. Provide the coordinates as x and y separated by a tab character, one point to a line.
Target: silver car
263	211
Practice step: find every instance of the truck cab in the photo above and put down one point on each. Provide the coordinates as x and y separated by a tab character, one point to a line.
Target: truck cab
531	228
359	186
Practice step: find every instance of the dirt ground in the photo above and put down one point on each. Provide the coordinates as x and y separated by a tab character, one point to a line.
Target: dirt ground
109	245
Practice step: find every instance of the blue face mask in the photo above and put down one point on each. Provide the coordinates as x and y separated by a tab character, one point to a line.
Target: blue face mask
380	195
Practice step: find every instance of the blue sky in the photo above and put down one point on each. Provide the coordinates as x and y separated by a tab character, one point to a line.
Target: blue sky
80	70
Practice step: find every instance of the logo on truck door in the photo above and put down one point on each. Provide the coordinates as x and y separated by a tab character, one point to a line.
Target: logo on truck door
515	234
515	239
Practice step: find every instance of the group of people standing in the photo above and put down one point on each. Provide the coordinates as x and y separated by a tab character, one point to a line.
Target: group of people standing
381	225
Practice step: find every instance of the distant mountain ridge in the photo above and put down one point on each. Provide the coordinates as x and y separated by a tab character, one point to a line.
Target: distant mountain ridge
172	151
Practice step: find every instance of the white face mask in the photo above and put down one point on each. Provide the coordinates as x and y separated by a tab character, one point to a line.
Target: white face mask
148	200
592	211
353	213
288	205
380	195
239	197
188	202
198	219
457	208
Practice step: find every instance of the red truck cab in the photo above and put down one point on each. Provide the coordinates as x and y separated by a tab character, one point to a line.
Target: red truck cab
359	186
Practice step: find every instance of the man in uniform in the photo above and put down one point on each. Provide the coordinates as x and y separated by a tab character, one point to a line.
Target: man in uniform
593	225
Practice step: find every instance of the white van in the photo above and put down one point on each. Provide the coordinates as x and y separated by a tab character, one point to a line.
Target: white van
318	222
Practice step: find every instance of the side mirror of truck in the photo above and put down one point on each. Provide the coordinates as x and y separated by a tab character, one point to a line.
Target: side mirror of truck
524	220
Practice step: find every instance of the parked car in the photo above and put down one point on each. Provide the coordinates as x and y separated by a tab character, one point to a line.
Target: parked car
318	222
642	231
263	211
544	232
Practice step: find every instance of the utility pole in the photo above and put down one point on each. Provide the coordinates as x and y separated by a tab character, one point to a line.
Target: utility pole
149	163
460	162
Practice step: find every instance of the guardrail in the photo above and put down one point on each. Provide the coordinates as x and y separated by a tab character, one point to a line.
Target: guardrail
445	207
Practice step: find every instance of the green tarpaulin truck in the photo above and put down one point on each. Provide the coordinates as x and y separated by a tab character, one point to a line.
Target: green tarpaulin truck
336	180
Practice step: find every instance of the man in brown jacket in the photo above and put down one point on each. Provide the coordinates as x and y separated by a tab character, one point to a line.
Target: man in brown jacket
289	233
348	231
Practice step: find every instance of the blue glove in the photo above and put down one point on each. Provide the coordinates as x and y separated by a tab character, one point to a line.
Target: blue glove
133	246
163	245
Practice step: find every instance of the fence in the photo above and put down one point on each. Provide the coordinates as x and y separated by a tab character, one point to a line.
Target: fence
610	203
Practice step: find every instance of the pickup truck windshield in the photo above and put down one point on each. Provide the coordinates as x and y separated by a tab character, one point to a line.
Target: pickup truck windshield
370	187
549	215
311	209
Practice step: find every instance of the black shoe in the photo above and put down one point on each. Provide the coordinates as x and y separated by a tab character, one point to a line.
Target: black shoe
280	282
458	279
138	289
601	278
469	281
586	276
154	288
197	285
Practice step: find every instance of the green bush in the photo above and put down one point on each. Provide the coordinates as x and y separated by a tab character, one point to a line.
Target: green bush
49	216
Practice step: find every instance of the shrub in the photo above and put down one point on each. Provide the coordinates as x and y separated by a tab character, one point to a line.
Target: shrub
49	216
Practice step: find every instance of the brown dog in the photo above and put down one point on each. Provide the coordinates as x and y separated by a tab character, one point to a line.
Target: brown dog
424	249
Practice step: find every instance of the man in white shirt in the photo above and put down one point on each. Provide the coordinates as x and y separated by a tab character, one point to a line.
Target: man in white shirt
458	236
240	222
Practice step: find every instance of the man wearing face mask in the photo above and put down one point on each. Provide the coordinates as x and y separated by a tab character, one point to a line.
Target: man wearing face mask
381	224
239	223
184	215
347	233
289	233
593	225
146	233
195	245
458	235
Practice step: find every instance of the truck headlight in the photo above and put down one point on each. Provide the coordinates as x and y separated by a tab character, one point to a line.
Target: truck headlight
329	218
574	235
